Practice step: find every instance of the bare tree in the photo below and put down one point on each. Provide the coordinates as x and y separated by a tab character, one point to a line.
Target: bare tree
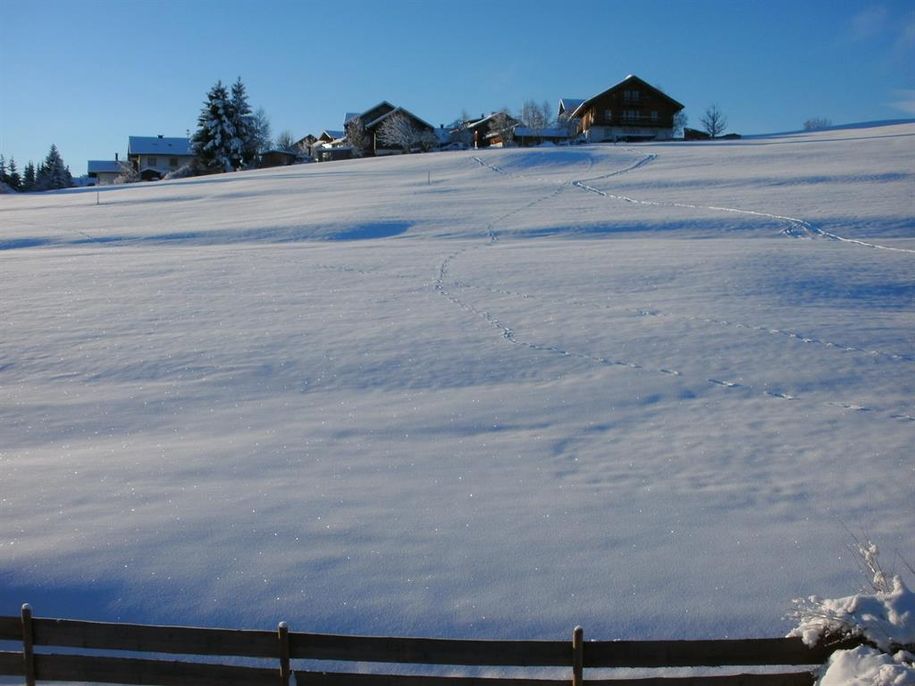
546	109
285	140
356	136
537	117
817	123
713	121
398	131
260	133
680	122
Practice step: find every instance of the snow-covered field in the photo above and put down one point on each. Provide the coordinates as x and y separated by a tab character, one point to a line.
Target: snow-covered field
485	394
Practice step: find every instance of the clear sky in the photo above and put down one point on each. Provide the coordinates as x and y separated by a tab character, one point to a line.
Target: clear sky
86	75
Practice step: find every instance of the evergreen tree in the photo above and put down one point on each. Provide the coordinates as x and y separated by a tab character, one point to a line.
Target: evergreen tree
2	169
214	140
28	177
243	120
12	176
52	174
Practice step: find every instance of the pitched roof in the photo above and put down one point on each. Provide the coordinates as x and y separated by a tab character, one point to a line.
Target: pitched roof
485	119
569	104
158	145
628	81
105	166
402	110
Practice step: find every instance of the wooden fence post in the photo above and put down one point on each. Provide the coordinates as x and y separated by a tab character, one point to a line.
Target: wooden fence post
28	645
282	632
578	656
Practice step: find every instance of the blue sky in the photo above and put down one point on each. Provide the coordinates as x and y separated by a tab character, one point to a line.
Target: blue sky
86	75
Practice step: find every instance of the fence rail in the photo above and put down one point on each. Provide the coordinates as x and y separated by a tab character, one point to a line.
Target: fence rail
283	646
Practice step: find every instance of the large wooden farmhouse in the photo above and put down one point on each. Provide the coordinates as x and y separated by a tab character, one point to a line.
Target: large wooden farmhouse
630	110
374	118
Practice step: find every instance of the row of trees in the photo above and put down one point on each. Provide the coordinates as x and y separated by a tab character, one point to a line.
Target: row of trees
51	174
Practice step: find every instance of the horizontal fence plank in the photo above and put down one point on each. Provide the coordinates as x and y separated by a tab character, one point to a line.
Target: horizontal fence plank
431	651
10	629
157	639
11	664
793	679
762	651
304	678
121	670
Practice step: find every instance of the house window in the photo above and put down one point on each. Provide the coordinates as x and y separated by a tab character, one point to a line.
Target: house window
152	161
631	115
654	116
608	115
631	96
173	161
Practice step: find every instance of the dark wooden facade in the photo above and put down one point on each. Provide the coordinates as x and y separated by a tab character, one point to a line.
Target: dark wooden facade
374	118
482	132
631	110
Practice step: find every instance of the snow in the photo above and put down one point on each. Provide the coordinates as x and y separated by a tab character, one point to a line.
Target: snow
865	666
886	618
458	394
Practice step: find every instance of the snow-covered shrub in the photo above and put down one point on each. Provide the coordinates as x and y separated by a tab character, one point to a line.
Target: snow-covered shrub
128	175
181	172
883	617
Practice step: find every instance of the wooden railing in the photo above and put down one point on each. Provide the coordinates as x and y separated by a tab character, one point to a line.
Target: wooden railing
155	643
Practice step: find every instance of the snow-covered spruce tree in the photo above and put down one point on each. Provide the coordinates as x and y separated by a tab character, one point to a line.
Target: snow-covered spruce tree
52	173
28	177
245	147
13	179
214	142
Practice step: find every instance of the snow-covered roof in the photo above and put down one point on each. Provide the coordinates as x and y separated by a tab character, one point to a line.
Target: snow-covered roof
158	145
490	116
402	110
104	167
631	77
333	134
569	104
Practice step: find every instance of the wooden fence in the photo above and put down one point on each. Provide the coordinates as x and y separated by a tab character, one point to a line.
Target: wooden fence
37	635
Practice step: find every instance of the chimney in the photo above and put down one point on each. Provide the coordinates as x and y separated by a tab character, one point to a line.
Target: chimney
160	135
115	157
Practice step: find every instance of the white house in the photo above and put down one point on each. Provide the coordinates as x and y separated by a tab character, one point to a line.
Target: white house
155	156
105	171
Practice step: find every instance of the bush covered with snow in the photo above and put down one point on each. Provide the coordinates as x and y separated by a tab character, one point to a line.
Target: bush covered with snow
884	618
181	172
